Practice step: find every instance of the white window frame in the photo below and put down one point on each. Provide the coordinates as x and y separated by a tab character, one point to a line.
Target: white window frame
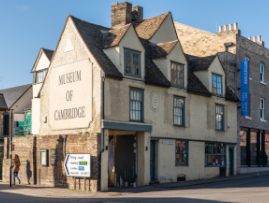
262	109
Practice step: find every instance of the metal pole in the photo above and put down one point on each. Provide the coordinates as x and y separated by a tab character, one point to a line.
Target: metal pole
10	145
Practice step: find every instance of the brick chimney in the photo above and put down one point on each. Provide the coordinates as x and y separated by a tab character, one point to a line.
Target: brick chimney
137	13
121	14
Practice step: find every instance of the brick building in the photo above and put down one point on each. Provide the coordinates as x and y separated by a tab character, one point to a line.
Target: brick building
232	47
130	97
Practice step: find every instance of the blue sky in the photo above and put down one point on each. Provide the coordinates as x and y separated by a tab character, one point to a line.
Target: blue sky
27	25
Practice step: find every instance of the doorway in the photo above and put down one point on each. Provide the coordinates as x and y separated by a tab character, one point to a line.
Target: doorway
123	172
231	161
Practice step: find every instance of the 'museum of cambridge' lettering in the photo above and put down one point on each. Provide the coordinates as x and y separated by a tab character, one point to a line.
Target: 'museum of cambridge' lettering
70	77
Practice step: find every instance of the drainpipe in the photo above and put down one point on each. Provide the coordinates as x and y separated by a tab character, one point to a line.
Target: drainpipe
103	77
102	130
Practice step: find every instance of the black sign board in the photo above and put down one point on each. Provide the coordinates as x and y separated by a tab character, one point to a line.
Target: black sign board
53	160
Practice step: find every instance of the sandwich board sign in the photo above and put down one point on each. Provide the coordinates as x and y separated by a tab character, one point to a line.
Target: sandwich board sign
78	165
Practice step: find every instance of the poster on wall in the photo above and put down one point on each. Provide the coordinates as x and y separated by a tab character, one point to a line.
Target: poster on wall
70	96
244	77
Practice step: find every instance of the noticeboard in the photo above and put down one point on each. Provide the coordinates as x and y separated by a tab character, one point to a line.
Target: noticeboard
43	157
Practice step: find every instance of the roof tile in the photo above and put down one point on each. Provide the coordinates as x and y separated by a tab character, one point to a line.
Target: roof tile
162	49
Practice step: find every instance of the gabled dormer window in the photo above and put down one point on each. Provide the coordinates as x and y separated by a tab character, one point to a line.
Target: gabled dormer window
217	84
132	65
177	74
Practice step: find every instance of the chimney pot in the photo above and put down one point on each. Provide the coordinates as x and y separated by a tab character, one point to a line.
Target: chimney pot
225	28
254	39
249	38
220	28
230	26
259	38
235	26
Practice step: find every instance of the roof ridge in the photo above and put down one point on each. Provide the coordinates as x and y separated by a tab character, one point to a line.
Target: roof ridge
87	22
196	28
15	87
156	16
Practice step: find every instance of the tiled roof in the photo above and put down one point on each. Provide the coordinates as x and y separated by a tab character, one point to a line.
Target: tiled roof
230	95
196	63
153	74
196	86
14	94
162	49
113	37
147	28
92	36
3	104
48	53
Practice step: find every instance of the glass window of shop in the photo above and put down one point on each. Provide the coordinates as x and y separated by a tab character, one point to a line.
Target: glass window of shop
266	158
243	147
215	154
254	148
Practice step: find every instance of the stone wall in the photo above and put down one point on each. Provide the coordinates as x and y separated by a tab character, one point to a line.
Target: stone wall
31	172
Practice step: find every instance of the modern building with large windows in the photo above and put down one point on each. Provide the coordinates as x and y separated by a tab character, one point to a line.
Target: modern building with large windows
130	97
232	47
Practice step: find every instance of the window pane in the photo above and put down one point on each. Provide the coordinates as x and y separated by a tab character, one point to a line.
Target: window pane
180	75
40	75
243	147
253	148
219	117
136	105
132	66
177	74
178	111
181	152
266	159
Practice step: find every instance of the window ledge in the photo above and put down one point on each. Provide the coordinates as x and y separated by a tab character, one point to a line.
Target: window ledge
182	165
262	120
248	118
263	83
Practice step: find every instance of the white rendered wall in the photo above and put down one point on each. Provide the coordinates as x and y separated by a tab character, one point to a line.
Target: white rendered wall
24	102
35	116
43	62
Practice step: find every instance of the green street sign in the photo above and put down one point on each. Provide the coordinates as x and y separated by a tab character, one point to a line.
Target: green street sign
83	163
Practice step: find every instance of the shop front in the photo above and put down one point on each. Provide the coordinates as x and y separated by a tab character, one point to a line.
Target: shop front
254	145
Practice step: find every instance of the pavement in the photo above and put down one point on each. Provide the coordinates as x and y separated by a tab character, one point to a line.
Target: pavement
242	188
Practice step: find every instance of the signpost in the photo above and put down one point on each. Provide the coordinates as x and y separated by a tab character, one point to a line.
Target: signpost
78	165
244	77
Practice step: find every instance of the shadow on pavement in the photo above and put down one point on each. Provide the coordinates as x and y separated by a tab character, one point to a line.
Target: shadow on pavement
260	181
8	197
